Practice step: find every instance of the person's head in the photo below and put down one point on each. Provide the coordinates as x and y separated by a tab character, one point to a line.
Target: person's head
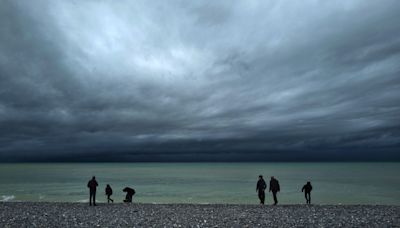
272	177
108	185
93	178
260	177
308	182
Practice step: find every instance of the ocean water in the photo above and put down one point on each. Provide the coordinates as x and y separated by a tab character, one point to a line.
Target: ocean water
333	183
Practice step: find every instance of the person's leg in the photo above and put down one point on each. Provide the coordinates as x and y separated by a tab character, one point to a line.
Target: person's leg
94	198
90	198
261	196
275	199
309	198
305	195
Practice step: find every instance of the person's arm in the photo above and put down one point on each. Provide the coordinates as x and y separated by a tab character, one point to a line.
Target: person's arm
270	185
97	184
279	187
302	190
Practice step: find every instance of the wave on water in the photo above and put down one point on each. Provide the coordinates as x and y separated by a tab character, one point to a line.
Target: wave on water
205	203
83	201
5	198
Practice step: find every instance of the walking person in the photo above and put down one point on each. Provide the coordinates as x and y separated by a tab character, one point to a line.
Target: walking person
307	192
260	188
274	188
109	192
92	185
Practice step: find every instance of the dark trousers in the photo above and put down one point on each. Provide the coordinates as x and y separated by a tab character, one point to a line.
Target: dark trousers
109	199
308	197
275	199
261	196
128	198
92	197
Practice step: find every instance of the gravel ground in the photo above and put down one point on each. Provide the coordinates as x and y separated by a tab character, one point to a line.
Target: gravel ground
16	214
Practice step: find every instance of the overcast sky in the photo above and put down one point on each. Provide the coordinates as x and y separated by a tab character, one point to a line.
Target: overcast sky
199	80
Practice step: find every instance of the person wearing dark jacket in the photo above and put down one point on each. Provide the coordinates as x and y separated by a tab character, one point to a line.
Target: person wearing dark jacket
260	188
307	192
129	194
109	192
274	188
92	185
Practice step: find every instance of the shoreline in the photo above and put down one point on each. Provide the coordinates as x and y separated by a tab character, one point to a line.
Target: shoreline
102	203
70	214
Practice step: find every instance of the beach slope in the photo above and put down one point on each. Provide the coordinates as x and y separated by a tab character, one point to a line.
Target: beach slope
30	214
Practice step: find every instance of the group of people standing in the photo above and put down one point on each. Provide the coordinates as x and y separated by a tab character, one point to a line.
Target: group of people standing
92	185
274	187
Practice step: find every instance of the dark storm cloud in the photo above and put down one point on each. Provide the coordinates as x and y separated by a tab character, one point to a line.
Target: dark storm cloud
178	81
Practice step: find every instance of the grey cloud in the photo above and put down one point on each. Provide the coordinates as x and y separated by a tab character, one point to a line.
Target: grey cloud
243	81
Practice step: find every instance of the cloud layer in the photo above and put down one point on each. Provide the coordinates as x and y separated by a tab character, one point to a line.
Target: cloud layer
178	80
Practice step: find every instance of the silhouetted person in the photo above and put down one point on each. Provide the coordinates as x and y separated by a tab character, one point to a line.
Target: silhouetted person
92	185
109	193
129	194
274	188
260	188
307	192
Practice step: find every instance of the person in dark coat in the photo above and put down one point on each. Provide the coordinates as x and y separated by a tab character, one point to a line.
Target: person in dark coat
129	194
260	188
307	192
109	192
92	185
274	188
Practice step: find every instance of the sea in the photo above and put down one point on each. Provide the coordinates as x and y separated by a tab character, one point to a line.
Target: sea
203	183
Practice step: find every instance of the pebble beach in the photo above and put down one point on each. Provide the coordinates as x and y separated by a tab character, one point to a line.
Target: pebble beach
40	214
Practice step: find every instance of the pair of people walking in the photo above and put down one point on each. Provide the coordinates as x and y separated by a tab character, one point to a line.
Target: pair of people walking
92	185
273	187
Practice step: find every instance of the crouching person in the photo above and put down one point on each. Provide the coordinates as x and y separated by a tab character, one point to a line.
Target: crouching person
129	194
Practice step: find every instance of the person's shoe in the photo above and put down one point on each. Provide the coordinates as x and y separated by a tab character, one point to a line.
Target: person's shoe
94	204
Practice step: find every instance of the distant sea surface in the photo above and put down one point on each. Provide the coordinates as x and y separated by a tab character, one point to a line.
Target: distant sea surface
231	183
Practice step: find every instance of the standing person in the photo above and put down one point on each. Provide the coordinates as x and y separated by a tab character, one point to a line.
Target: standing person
109	193
260	188
274	187
307	192
92	185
